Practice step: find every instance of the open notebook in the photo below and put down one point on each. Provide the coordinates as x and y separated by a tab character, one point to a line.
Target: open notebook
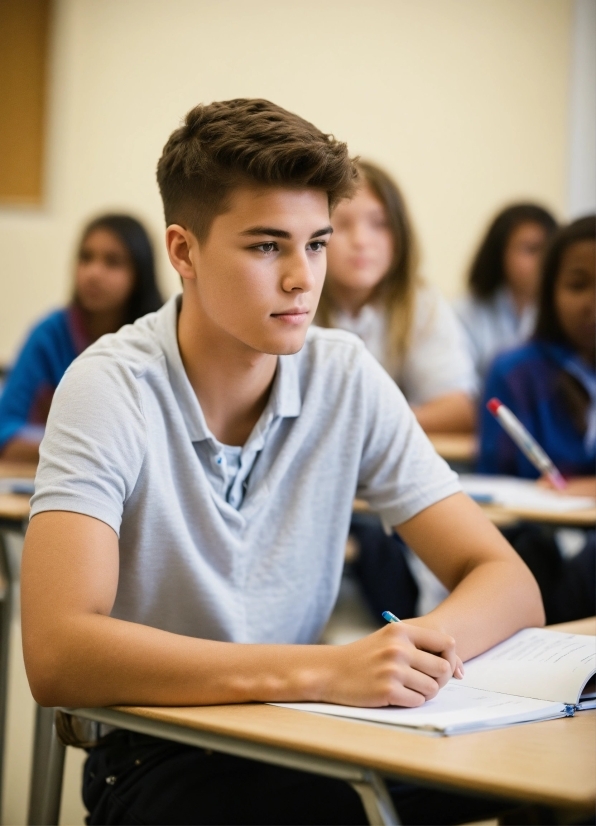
535	675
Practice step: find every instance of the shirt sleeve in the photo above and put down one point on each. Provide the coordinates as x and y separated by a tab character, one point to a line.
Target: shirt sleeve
437	361
401	474
95	442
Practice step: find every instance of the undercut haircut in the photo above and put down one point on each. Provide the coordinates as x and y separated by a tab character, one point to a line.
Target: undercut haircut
232	143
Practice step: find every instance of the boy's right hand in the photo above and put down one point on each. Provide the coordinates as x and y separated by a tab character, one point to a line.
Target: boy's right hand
399	665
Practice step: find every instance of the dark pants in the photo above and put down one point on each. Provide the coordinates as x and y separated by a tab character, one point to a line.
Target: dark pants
568	586
132	779
381	570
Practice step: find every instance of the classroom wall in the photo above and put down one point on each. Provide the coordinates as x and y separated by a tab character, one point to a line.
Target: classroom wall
465	101
582	111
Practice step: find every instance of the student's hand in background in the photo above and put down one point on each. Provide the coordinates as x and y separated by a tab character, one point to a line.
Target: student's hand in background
576	486
401	664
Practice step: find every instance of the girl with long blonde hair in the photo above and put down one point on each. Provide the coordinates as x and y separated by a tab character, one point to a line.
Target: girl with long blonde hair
373	289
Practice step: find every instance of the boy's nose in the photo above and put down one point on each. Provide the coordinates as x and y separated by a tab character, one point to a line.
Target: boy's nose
298	275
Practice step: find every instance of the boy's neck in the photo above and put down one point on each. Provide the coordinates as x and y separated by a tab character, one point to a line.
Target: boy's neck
231	381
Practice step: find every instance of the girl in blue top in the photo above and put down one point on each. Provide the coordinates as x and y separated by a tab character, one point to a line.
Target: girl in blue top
550	385
114	284
499	309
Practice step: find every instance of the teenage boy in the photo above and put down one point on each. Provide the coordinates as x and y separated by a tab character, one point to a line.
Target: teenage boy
196	484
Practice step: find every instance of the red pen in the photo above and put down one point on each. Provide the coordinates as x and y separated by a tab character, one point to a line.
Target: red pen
526	442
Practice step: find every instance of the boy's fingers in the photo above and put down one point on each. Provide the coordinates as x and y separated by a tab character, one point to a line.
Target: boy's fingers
435	642
406	697
420	682
435	667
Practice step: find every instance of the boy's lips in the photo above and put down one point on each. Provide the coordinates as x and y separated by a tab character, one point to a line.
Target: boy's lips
295	315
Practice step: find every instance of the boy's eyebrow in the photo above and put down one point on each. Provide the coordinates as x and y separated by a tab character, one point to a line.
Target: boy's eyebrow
282	233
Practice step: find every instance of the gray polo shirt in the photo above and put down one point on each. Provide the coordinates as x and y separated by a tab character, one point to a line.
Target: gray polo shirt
244	548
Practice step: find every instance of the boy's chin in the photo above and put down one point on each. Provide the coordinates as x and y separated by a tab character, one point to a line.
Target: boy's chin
286	346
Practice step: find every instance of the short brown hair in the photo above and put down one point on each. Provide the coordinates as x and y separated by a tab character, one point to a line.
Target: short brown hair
230	143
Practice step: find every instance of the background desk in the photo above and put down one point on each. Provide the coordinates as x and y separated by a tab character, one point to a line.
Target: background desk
456	448
510	515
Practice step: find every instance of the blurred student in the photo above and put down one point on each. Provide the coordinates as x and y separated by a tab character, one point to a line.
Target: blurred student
373	289
499	311
114	284
550	385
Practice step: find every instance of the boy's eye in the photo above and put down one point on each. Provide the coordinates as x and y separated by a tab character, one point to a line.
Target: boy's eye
317	246
268	246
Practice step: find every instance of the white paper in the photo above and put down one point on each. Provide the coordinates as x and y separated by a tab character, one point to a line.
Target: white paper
456	708
509	491
538	663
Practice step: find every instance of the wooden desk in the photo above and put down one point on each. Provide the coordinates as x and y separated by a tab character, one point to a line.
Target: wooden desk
552	763
455	447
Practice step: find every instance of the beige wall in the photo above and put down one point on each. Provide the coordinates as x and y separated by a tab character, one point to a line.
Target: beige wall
465	101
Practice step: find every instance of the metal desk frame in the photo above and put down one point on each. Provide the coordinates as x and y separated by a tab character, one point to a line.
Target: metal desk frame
48	762
8	578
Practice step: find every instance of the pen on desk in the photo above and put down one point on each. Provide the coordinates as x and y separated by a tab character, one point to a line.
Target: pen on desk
526	442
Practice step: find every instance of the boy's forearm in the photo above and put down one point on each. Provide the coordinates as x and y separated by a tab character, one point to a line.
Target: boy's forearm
493	593
101	661
104	661
491	603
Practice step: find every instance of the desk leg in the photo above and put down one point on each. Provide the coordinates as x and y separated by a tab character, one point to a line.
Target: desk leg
46	772
376	800
6	591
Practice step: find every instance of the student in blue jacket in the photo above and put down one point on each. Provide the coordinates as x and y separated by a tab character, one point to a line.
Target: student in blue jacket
550	385
114	284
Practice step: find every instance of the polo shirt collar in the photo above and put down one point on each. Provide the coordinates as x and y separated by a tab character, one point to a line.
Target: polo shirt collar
284	401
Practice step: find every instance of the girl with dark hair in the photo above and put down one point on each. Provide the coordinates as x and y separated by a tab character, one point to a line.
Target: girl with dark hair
550	385
114	284
499	311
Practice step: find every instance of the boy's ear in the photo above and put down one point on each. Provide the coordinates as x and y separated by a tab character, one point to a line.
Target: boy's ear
179	242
